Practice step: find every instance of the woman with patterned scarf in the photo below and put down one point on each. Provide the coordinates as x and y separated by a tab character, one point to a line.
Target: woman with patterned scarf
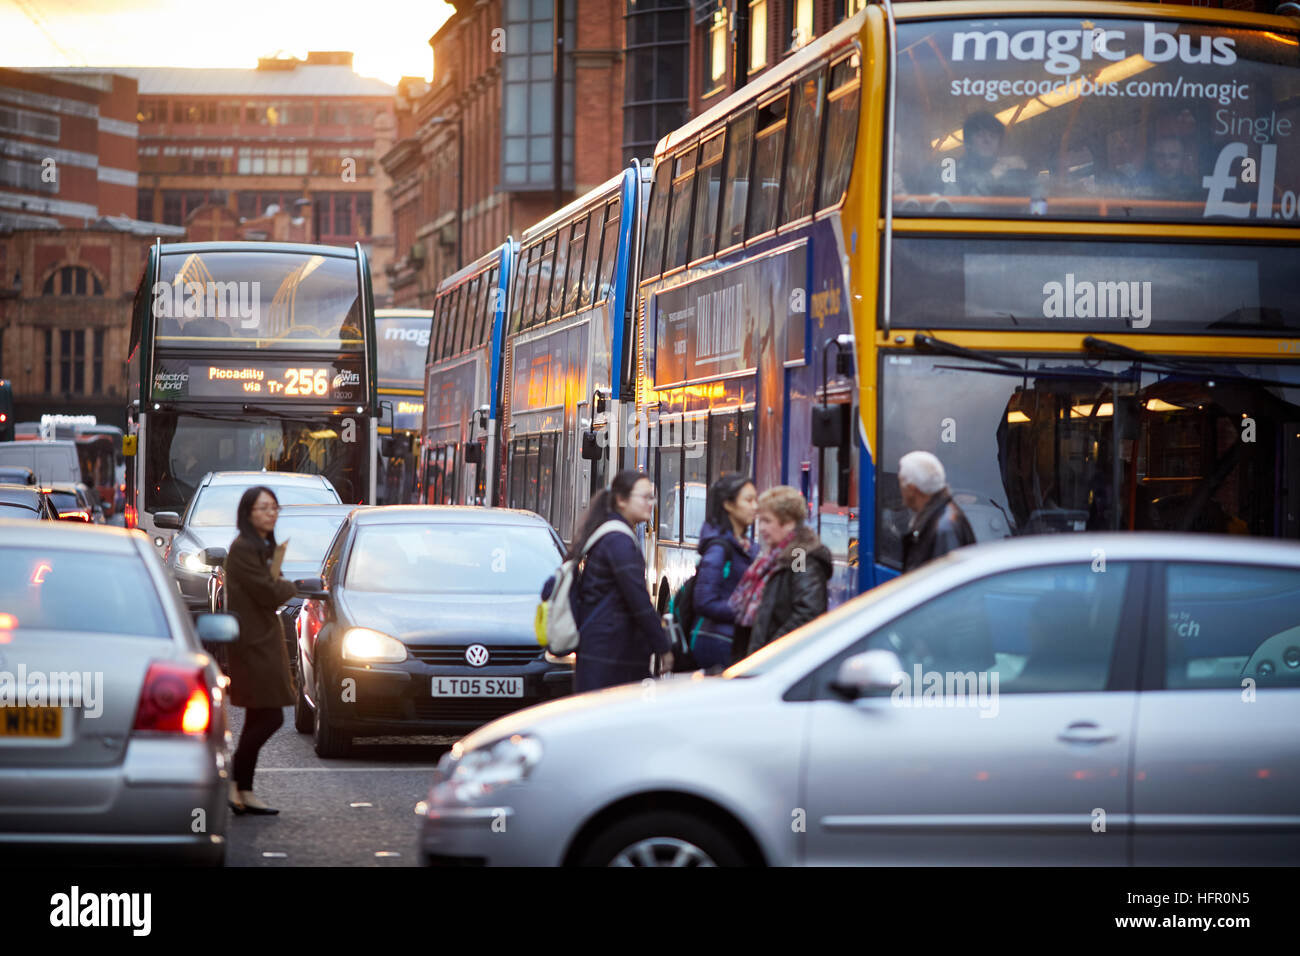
785	587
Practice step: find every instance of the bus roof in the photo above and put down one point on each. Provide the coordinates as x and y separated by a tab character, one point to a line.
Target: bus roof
483	262
301	248
610	185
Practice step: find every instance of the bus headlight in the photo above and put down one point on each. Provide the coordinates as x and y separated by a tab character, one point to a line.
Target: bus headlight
365	644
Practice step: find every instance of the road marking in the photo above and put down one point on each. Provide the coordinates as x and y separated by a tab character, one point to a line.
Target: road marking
270	855
345	769
387	853
361	803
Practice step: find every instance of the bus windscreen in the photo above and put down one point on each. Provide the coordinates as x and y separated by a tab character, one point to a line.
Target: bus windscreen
1097	119
247	300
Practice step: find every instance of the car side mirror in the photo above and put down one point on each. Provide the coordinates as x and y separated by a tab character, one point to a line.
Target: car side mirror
167	519
311	588
869	674
213	556
217	628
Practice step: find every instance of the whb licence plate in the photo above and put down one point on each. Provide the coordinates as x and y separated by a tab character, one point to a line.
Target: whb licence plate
478	687
42	722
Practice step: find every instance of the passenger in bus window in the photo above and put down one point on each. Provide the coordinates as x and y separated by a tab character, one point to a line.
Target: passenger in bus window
982	170
1165	175
726	552
785	587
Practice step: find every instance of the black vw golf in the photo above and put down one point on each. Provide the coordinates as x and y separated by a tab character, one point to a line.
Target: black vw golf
422	623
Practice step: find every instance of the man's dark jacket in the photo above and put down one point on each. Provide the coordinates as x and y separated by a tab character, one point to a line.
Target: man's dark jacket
937	529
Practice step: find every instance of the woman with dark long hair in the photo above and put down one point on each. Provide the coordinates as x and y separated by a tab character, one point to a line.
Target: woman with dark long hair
617	625
725	555
260	679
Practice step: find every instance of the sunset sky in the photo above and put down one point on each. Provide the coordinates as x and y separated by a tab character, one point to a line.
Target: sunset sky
389	37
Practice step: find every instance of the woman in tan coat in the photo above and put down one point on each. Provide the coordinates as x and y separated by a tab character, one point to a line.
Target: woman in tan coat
260	679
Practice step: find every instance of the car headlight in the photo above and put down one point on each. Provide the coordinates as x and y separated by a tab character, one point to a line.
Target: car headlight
365	644
485	769
192	562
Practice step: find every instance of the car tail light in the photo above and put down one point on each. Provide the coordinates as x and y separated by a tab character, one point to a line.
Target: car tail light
74	515
174	700
310	620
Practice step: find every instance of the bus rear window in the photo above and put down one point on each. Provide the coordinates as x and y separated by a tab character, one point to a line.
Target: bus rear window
1097	119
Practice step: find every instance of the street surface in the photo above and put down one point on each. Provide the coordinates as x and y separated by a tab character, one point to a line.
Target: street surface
334	812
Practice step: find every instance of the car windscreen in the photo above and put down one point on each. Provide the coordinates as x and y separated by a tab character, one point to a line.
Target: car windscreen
217	504
64	501
55	589
307	536
452	558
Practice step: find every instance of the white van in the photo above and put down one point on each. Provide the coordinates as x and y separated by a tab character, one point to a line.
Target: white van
52	461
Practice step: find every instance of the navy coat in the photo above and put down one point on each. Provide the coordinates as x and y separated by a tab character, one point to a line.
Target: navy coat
617	625
717	547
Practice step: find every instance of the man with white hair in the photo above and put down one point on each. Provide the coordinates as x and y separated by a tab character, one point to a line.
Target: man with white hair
938	525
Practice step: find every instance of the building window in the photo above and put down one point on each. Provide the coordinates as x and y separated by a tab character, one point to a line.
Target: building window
656	73
99	362
847	8
72	361
72	280
714	73
144	205
801	23
757	35
527	129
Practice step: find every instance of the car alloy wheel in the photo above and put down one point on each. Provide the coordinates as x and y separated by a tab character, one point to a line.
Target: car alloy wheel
662	851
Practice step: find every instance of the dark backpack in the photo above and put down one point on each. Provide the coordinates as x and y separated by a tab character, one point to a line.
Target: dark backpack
682	608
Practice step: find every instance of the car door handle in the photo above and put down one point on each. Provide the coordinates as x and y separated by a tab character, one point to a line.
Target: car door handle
1086	732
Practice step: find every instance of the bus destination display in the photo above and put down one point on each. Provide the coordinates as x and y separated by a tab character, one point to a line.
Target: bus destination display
261	381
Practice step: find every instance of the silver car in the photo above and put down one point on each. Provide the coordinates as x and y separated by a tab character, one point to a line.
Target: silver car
112	719
1067	699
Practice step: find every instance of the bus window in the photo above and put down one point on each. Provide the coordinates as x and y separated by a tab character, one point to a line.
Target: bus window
517	299
656	220
469	301
518	455
724	444
669	483
769	145
695	477
530	286
841	131
746	442
801	157
735	195
544	272
559	278
546	475
576	244
594	224
679	213
483	322
609	254
706	197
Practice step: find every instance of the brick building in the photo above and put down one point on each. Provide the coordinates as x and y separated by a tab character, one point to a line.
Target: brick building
473	160
67	148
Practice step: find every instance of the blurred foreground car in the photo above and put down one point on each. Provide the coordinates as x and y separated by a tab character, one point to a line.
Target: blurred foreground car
429	611
209	521
132	744
1074	699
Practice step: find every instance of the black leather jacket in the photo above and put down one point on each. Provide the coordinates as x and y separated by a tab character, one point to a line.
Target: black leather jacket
938	528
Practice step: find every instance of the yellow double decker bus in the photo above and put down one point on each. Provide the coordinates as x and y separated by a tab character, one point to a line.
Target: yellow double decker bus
1066	259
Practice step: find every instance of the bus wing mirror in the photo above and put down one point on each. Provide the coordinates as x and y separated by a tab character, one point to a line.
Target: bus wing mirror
167	519
828	426
473	453
386	446
128	445
591	450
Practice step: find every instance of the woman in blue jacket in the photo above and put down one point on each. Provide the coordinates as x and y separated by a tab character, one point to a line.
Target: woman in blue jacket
617	625
725	553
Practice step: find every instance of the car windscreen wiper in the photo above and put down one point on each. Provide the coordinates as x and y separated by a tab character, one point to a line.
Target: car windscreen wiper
1178	366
